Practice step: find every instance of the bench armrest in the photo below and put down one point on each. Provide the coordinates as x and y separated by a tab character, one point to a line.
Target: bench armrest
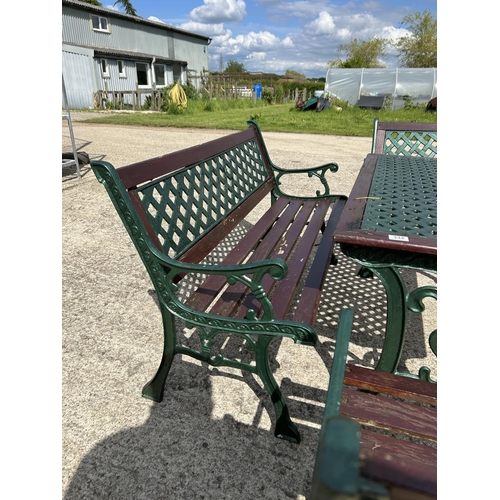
316	171
250	275
319	172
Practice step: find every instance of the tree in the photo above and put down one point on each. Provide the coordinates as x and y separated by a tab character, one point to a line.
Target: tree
295	74
361	54
419	48
129	8
235	67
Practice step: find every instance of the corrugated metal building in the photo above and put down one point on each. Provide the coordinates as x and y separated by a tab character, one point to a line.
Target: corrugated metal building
103	49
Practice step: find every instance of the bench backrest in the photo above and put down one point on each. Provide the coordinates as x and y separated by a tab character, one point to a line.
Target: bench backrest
182	196
408	139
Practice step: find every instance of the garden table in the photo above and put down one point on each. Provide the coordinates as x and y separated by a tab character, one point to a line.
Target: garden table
390	222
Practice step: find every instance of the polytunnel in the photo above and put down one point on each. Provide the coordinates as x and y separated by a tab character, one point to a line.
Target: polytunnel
396	85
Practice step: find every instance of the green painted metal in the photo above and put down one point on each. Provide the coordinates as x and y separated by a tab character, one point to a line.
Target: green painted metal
395	289
403	200
415	303
410	183
182	208
337	466
406	142
319	172
409	142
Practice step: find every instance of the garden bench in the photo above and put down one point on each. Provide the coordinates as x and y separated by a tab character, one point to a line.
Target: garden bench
404	138
179	207
378	438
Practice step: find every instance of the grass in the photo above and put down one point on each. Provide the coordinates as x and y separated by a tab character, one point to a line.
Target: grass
232	115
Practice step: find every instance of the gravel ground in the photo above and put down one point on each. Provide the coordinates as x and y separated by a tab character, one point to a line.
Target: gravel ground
212	435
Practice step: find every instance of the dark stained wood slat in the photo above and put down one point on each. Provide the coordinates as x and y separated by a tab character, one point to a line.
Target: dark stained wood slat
212	286
278	243
311	294
398	386
402	463
390	414
147	170
352	215
398	493
286	288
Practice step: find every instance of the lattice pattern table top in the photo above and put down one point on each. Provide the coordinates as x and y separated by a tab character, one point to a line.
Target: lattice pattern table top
403	197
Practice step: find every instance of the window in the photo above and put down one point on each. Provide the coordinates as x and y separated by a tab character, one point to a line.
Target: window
142	74
99	23
160	75
121	69
104	67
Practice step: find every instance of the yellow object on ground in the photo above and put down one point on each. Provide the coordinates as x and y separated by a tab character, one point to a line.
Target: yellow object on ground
178	95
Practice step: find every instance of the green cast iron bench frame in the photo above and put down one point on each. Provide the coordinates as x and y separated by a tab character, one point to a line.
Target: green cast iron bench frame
404	138
179	207
378	439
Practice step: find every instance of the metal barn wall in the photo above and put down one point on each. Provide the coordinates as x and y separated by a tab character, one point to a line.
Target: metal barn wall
79	80
131	36
195	51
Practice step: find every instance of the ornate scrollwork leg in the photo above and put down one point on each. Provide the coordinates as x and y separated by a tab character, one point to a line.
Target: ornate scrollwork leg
416	304
285	428
154	388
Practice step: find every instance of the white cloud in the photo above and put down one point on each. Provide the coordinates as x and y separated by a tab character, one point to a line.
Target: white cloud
262	40
219	11
392	33
210	30
307	44
153	18
222	40
322	25
258	56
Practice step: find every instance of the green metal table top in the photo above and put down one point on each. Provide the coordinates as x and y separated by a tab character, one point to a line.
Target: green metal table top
403	196
391	214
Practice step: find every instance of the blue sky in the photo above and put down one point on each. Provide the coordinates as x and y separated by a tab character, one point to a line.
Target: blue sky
275	35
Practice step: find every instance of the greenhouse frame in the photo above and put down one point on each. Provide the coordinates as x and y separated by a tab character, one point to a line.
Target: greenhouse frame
397	85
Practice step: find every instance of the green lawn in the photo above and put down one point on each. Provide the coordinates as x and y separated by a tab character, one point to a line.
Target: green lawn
232	115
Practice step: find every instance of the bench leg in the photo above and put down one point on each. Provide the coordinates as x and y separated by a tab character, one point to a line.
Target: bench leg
285	428
154	388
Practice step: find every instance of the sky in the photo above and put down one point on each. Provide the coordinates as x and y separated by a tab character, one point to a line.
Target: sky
273	36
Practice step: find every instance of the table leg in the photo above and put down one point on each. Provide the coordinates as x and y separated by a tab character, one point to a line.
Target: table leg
395	329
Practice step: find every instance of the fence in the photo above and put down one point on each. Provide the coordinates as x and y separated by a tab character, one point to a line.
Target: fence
209	87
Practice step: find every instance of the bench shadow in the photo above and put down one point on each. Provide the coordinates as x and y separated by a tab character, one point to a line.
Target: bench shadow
181	452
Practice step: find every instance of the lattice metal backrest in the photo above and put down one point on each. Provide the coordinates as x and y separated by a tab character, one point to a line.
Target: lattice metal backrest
185	205
410	143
